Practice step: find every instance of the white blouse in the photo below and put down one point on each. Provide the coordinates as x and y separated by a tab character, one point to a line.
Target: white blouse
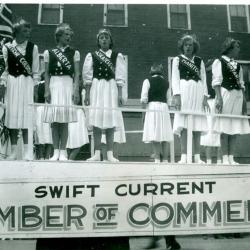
21	47
217	77
176	76
120	69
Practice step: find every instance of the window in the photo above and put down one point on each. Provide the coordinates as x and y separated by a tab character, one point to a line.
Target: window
179	16
51	14
116	15
238	18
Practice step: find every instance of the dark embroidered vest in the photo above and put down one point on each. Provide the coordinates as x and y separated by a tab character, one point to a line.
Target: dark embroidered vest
158	89
56	68
187	74
229	82
14	67
101	71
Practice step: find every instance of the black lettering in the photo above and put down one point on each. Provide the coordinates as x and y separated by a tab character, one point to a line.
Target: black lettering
118	191
56	191
41	192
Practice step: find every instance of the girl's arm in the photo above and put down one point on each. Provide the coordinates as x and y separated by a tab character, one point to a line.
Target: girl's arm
217	79
175	81
205	105
46	77
76	96
87	75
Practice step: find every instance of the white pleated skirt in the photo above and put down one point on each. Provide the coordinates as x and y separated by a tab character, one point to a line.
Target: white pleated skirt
211	138
61	90
192	94
19	94
43	134
104	95
232	104
157	125
78	132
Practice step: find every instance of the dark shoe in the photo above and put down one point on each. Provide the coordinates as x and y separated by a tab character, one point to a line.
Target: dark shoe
171	243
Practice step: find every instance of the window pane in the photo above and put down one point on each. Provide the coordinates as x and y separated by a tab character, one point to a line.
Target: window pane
178	8
51	6
239	24
179	21
116	18
237	10
116	7
50	16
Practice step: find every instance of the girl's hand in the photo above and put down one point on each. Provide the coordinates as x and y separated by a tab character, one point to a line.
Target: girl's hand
120	101
205	105
87	100
177	102
76	98
218	104
47	95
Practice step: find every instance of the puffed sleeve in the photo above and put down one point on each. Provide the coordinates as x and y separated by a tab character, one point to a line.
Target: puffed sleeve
204	78
144	91
35	65
87	70
120	70
217	77
5	74
242	83
77	56
175	81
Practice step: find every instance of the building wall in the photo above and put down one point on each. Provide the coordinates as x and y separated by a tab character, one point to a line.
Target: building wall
145	40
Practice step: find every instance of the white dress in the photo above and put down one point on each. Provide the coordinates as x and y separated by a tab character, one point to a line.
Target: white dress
104	94
192	94
20	90
232	103
61	90
157	125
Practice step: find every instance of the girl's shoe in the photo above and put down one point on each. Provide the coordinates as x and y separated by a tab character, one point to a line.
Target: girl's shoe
96	156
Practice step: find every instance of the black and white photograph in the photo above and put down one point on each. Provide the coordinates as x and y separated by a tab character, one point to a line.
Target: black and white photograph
124	125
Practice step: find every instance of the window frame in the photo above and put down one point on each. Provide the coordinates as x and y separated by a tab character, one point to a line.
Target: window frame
188	18
105	14
229	20
39	17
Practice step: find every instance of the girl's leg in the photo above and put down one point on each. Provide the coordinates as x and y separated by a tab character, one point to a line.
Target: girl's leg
231	148
219	155
183	147
196	140
209	155
110	144
63	138
25	143
47	151
165	151
13	140
55	139
40	151
157	151
97	133
225	148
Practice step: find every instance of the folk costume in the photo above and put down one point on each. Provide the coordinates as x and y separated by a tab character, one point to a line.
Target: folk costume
228	74
20	76
189	81
104	71
61	69
157	125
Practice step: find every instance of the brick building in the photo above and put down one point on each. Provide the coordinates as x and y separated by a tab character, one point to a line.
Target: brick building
144	33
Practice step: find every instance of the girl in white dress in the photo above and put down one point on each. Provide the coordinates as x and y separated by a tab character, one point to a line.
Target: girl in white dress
190	94
61	88
157	125
21	74
230	98
104	74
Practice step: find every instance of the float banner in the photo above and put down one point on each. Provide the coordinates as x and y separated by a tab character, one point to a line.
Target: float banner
123	199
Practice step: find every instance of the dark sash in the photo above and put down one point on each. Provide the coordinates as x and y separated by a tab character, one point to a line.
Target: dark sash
60	56
232	70
20	58
191	66
101	57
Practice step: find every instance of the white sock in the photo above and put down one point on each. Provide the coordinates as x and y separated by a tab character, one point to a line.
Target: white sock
63	155
219	162
231	160
183	158
111	157
209	161
96	156
225	159
55	156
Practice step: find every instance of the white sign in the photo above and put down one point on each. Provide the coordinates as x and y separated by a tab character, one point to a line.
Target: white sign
73	199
